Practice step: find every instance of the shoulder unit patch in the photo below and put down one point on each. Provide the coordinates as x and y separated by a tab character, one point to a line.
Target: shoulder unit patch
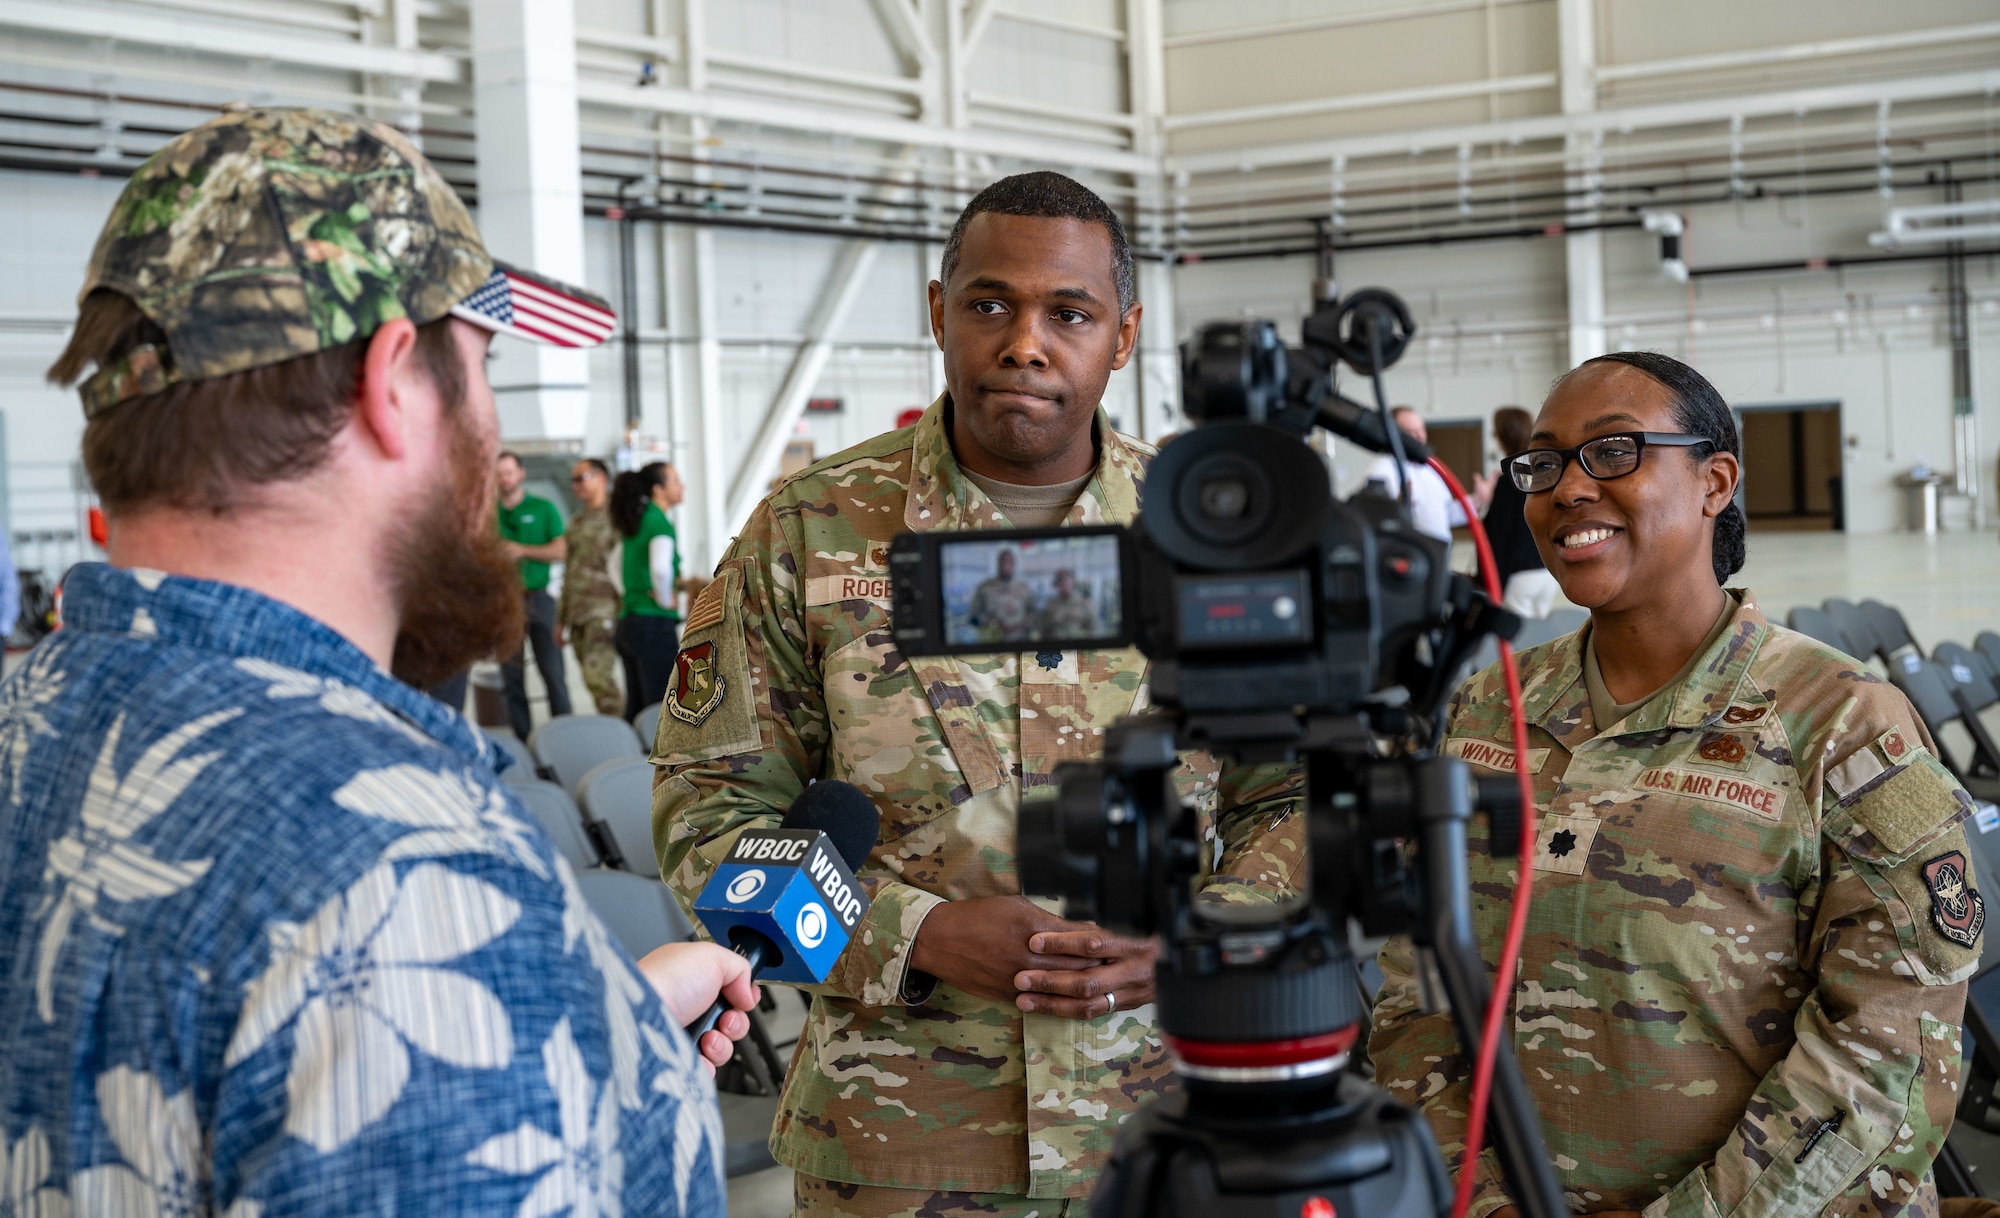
1957	909
698	688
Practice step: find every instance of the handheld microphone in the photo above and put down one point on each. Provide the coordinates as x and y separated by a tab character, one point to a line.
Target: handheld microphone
786	899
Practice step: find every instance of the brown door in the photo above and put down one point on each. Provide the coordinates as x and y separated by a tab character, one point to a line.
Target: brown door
1461	445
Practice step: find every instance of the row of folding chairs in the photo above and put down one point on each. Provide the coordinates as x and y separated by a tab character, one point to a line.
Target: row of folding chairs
1949	689
586	780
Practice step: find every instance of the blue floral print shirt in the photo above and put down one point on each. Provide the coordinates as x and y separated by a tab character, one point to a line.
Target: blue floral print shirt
275	939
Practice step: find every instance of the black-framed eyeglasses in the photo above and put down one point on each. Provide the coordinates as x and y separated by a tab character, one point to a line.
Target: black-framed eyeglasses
1606	457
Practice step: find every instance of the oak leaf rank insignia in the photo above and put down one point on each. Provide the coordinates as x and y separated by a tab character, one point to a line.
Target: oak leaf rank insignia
1957	909
698	688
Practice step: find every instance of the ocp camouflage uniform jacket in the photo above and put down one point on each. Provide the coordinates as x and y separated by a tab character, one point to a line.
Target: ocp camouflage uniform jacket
1753	918
588	595
950	1091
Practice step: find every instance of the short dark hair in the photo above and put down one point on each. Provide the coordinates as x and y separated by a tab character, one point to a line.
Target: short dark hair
208	444
1699	410
597	465
1512	426
508	454
1052	195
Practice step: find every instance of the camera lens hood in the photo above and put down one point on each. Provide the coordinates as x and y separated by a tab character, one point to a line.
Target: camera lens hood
1235	496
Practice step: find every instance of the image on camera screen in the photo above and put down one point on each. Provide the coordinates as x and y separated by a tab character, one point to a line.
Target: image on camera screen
1056	589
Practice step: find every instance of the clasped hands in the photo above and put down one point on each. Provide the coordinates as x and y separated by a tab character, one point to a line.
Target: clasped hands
1009	949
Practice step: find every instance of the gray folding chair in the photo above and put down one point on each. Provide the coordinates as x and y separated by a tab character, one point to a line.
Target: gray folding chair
1970	673
1892	632
1538	630
647	724
617	797
1567	621
1854	627
1819	624
1938	703
570	745
1988	644
640	913
556	811
523	769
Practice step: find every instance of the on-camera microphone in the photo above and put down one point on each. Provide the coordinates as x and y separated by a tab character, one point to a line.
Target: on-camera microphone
786	899
1350	420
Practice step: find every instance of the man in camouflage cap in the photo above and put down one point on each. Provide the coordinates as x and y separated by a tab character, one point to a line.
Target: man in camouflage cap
971	1053
276	937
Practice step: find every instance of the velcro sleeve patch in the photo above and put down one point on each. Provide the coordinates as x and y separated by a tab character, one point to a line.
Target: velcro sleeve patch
1897	812
1855	773
710	709
1493	755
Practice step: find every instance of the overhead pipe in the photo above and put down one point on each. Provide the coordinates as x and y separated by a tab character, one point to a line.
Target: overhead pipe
1958	314
628	300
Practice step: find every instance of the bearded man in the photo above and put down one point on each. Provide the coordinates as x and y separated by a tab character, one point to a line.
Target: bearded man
274	938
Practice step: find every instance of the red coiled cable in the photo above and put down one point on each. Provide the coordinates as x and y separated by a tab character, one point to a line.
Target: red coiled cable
1517	922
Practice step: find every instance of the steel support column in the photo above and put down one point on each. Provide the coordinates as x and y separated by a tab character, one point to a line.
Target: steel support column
843	285
1583	252
531	194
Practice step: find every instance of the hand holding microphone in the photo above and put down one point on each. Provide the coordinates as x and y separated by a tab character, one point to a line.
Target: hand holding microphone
786	899
687	976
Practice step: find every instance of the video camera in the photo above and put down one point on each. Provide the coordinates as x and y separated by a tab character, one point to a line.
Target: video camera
1282	625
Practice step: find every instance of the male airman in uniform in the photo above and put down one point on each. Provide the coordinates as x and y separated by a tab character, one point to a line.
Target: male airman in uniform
971	1053
588	611
1002	606
1068	613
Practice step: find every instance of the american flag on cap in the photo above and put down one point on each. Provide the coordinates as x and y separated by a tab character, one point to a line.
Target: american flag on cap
526	305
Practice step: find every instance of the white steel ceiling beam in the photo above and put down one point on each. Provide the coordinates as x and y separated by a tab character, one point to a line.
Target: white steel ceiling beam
978	17
843	287
901	21
1046	22
1287	29
767	66
1361	101
823	120
216	37
1608	121
1722	60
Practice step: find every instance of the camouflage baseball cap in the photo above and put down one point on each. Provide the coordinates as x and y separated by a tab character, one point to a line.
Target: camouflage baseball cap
268	234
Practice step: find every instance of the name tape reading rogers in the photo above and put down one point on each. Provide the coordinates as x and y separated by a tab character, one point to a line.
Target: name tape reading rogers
832	589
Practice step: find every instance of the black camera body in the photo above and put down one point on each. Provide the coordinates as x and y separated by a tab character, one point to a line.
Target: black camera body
1249	586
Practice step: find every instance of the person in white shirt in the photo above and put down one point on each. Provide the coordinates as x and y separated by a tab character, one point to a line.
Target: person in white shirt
1432	509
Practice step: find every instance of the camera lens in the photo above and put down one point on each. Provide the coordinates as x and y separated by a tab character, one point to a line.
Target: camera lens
1224	498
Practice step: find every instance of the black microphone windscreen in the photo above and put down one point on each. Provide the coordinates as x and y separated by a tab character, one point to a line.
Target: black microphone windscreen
841	811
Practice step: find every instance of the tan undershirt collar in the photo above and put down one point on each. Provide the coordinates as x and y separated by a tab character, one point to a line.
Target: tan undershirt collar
1031	507
1604	711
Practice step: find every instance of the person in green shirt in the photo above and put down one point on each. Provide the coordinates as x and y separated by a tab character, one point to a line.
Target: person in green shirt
649	619
531	529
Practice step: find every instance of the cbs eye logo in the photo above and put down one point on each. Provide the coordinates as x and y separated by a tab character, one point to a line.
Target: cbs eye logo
811	926
744	886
